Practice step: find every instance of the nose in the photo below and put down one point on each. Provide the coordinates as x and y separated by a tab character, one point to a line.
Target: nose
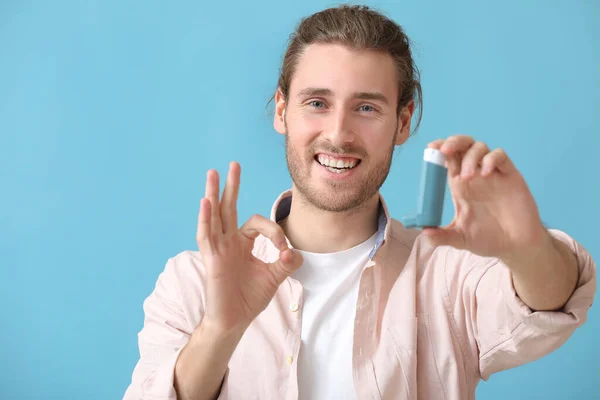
339	131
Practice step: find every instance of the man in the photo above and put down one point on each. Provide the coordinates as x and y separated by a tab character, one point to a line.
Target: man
331	298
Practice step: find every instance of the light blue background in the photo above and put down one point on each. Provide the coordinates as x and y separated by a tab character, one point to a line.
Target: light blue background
111	112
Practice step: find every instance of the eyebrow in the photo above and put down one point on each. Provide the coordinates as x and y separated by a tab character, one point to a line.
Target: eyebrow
371	96
315	91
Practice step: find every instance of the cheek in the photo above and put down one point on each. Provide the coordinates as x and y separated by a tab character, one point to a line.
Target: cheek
311	124
304	130
375	133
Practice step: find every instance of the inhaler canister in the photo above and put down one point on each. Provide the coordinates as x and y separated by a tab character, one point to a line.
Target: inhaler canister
432	189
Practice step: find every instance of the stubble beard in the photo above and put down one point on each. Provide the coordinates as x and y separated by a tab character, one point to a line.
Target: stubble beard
338	196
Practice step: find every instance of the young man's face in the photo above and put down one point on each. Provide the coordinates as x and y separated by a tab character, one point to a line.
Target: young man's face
341	124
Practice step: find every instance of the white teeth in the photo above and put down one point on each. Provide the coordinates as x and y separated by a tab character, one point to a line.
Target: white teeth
335	163
336	170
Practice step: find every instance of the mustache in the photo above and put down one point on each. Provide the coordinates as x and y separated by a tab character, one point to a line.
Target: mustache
326	147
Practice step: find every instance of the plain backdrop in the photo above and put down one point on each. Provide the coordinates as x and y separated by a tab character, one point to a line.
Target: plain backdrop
111	112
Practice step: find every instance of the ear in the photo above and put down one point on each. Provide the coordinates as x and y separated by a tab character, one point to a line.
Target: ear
404	120
279	118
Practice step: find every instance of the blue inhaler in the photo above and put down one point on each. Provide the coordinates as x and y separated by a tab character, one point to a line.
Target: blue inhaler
430	204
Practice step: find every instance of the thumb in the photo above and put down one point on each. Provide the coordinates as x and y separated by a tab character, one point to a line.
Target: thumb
445	237
289	261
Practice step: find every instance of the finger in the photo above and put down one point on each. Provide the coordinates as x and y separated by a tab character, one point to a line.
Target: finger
289	262
472	159
259	225
230	196
457	143
436	144
212	194
203	233
453	163
497	159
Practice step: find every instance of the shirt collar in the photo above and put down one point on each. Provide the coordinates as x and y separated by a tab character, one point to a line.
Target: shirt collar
281	209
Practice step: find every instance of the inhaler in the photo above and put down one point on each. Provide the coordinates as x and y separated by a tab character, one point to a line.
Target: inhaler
432	189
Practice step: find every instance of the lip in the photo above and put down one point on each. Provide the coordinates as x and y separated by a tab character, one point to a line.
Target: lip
335	176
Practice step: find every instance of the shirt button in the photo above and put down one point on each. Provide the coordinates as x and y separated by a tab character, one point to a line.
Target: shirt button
289	359
294	307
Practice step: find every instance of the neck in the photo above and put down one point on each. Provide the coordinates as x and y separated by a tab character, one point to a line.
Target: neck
318	231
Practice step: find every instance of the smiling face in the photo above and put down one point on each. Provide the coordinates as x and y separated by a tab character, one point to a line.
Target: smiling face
341	124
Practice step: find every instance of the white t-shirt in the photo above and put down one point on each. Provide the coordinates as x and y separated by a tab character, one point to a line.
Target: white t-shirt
330	282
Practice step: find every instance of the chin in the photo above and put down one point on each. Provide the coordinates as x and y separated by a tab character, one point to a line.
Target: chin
335	198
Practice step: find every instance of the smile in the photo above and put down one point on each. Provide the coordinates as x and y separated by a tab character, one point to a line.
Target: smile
337	165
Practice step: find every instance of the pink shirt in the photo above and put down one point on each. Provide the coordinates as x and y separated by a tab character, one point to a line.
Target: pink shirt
431	321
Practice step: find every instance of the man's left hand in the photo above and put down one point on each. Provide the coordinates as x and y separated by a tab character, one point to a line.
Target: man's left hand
495	213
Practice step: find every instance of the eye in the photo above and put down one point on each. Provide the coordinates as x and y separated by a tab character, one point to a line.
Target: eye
367	108
317	104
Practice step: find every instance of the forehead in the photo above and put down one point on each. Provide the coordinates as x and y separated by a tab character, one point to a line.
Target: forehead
345	70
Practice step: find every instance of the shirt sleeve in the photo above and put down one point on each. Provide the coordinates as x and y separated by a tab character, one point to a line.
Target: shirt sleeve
165	331
502	332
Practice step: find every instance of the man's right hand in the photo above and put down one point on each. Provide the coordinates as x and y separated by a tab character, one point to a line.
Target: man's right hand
239	286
